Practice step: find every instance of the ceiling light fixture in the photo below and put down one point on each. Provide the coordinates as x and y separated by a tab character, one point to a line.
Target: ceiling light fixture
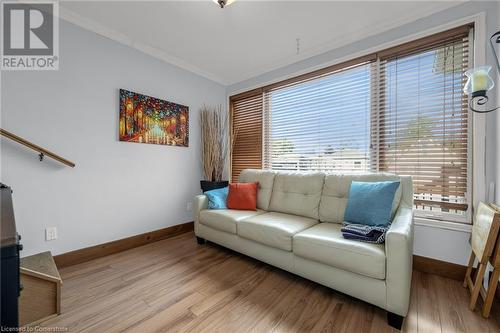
223	3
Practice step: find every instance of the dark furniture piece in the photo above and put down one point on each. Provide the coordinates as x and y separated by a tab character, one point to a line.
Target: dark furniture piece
10	276
208	185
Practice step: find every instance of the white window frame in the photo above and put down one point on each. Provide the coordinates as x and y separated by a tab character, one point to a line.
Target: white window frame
435	215
476	168
477	127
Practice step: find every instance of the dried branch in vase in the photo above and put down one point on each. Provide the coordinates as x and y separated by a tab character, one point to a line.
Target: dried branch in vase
214	142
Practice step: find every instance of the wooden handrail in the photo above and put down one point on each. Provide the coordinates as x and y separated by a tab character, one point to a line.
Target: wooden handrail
43	152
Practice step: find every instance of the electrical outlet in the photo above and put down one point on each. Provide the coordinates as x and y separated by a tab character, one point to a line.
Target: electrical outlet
50	233
189	206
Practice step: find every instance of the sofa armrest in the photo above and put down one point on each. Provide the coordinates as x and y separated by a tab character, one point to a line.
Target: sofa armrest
200	202
399	254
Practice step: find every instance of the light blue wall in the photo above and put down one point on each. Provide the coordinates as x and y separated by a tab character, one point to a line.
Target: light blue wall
117	189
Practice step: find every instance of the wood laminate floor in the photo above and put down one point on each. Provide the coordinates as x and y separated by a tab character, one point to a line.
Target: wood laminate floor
177	285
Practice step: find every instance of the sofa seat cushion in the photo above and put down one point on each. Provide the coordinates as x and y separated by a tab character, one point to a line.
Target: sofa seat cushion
274	229
225	219
324	243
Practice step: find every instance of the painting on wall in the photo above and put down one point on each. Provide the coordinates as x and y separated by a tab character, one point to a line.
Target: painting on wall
146	119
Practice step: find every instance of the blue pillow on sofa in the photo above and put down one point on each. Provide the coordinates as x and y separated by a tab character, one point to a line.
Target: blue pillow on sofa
217	198
370	203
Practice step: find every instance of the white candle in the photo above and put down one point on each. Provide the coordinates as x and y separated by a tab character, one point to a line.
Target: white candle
480	80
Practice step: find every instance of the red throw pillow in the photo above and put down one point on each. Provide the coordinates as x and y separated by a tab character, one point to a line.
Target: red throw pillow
242	196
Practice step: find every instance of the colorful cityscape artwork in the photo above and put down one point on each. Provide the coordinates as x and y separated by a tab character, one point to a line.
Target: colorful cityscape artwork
146	119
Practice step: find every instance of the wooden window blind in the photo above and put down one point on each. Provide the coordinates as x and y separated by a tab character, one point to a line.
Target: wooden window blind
400	110
246	122
321	123
422	119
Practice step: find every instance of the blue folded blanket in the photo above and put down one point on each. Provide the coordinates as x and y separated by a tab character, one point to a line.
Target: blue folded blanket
364	233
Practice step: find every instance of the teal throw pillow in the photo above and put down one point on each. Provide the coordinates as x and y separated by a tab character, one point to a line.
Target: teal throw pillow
217	198
370	203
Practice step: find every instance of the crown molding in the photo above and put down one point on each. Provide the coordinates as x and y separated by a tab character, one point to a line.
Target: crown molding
105	31
347	39
241	86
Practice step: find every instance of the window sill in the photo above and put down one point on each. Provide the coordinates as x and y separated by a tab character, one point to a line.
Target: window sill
447	225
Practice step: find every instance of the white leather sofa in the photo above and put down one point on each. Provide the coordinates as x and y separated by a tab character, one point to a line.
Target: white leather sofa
297	228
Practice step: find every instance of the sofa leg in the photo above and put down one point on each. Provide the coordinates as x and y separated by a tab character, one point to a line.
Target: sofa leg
200	240
395	320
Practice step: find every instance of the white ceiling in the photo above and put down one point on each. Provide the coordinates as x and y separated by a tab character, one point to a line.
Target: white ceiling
245	39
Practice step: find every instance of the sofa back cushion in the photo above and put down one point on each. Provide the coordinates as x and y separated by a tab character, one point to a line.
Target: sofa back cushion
265	178
336	193
297	193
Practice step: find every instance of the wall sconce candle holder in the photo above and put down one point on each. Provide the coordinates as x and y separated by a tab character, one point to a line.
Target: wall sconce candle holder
479	80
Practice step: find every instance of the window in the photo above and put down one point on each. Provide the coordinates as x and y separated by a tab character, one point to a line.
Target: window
423	122
246	122
401	110
321	124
